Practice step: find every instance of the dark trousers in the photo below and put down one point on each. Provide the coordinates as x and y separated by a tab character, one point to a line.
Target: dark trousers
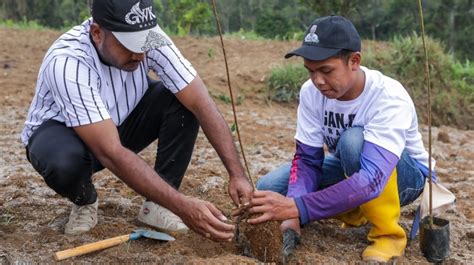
67	165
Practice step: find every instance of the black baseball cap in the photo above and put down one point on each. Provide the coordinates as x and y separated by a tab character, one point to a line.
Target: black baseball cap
326	37
133	23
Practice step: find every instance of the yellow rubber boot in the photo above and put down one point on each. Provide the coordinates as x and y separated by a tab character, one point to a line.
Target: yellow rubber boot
352	218
387	236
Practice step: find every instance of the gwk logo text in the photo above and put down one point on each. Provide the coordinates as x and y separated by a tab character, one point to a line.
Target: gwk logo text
138	16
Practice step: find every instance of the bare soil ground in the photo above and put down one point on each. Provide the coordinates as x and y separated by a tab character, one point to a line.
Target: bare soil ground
32	216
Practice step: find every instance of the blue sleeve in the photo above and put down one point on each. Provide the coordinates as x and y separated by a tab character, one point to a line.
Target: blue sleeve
377	165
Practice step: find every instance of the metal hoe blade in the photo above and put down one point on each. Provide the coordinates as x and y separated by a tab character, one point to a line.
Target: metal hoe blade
150	234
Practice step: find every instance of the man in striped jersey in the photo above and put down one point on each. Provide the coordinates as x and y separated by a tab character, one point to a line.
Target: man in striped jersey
95	107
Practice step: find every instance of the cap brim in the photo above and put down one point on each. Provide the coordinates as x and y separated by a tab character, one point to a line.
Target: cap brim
135	41
314	53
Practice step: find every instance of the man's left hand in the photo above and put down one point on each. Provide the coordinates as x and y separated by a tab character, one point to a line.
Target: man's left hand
240	190
272	206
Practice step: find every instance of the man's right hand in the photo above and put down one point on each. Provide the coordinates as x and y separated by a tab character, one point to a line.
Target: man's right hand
206	220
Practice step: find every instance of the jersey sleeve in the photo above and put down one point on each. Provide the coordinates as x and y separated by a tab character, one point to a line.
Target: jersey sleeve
75	89
174	69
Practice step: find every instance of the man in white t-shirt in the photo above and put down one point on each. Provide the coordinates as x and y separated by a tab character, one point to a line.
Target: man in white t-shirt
96	107
376	161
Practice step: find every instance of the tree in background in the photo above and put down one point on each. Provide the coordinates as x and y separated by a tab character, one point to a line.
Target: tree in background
74	12
447	21
326	8
452	23
50	13
183	17
281	20
14	9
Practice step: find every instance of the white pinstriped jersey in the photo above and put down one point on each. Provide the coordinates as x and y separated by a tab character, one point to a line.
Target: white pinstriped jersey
76	88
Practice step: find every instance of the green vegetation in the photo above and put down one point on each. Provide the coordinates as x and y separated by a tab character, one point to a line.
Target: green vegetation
21	24
245	35
49	13
447	21
182	17
210	53
463	76
226	99
6	216
233	128
284	82
452	82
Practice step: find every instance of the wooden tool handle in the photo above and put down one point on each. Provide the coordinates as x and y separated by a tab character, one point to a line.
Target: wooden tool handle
88	248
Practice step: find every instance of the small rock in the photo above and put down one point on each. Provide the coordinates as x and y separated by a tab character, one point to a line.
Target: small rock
470	235
443	136
212	182
4	258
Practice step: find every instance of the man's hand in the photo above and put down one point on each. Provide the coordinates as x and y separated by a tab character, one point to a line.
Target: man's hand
206	220
273	206
240	190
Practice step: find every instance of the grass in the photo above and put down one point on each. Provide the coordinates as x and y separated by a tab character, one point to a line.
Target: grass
252	35
285	81
6	217
23	25
463	76
245	35
226	99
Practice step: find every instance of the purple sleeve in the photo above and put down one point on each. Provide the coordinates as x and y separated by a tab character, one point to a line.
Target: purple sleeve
377	165
305	173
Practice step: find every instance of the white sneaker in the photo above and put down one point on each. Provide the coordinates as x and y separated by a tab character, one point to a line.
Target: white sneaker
161	218
82	219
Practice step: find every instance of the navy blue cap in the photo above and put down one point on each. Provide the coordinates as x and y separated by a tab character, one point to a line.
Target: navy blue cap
124	15
133	23
326	37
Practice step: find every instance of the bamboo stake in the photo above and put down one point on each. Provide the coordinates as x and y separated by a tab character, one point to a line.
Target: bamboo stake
428	80
219	29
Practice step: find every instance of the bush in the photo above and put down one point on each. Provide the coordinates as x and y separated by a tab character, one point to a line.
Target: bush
463	77
245	35
284	82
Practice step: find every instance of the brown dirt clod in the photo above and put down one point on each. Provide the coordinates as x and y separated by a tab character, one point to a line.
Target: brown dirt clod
443	136
262	241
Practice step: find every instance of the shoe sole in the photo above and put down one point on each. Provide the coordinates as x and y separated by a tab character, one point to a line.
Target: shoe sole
168	231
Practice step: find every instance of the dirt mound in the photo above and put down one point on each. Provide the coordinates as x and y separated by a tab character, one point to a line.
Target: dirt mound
32	216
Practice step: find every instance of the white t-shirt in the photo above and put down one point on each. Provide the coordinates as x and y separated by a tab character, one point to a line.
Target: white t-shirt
384	109
76	88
